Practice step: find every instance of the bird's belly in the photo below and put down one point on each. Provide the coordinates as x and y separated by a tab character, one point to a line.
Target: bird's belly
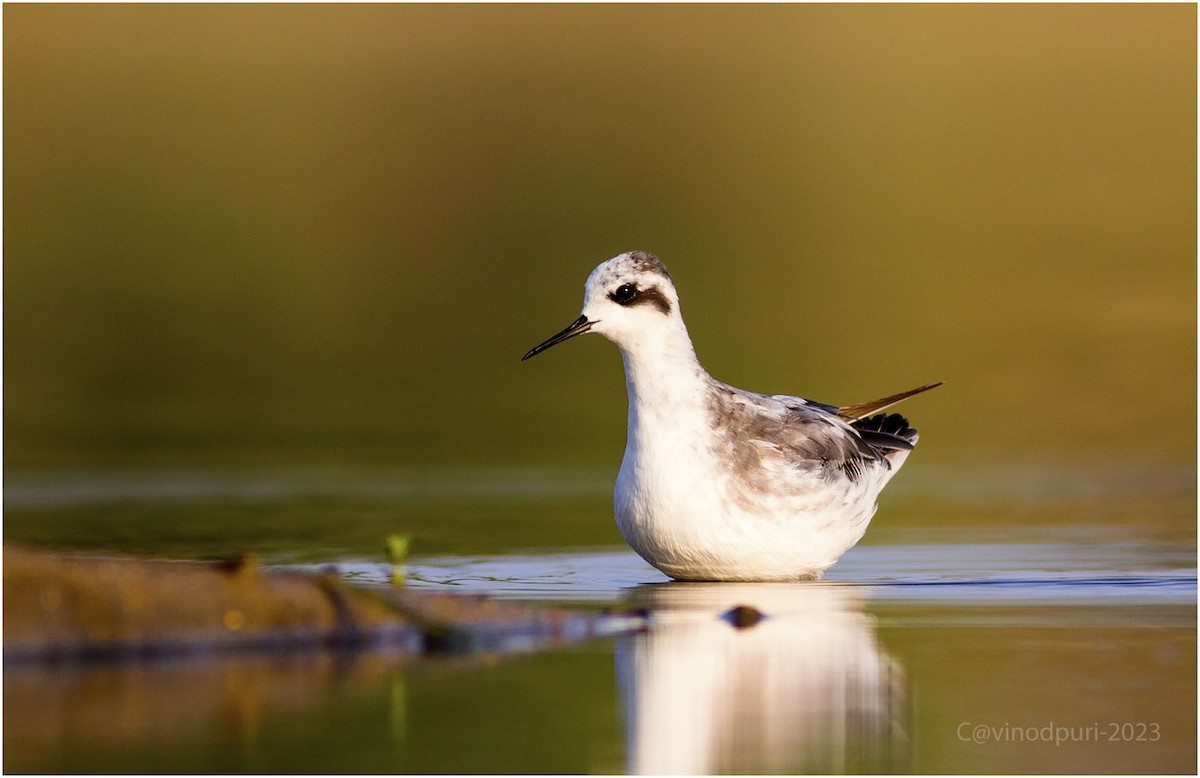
695	523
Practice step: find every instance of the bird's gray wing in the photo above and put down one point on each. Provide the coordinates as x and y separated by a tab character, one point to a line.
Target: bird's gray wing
883	431
815	434
779	433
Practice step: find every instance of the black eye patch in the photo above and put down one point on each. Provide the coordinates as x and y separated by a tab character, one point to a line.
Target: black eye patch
628	294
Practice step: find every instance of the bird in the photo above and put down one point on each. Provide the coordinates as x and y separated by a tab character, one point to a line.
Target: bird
722	484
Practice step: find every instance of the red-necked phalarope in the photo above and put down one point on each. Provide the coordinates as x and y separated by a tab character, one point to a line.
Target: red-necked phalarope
721	484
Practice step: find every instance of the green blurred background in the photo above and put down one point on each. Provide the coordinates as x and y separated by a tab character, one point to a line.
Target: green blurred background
324	235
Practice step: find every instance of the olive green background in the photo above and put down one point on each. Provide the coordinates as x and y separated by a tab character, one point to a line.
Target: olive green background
315	235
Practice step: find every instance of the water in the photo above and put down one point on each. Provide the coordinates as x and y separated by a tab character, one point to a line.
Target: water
946	648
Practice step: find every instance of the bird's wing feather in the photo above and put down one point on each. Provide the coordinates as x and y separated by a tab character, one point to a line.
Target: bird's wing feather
814	434
859	411
790	433
805	435
887	431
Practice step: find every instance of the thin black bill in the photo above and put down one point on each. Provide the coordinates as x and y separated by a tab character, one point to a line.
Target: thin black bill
577	327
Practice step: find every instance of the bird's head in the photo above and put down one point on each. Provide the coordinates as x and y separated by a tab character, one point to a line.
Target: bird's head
629	299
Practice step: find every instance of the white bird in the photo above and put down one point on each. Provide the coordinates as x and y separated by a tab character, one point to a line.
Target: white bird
721	484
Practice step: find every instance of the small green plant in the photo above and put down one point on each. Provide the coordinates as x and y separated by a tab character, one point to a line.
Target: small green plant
396	550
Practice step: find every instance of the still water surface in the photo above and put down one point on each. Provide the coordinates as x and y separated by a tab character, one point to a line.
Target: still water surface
974	647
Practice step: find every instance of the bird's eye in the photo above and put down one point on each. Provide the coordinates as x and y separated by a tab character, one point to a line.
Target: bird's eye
624	294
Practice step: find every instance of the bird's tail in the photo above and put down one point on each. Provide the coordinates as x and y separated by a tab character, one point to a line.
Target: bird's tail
853	413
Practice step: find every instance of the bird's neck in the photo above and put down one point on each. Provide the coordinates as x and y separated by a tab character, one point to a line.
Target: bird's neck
663	377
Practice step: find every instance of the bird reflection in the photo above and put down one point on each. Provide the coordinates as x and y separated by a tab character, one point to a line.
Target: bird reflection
806	688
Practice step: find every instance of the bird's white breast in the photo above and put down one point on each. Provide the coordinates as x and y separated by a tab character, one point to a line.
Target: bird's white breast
683	507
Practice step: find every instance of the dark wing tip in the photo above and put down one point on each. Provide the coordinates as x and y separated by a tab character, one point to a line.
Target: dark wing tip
887	431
